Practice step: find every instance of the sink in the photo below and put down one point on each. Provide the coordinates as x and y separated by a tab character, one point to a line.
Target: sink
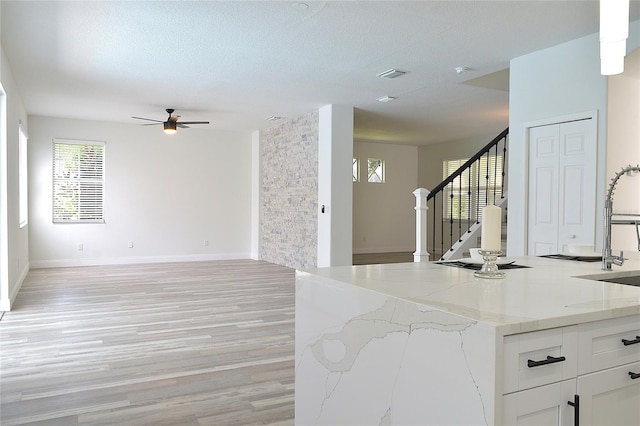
626	278
633	280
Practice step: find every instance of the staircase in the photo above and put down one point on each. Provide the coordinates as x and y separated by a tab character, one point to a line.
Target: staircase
471	238
455	205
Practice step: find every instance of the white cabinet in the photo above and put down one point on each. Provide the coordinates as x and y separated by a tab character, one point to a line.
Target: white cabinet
538	358
598	363
543	405
610	397
609	343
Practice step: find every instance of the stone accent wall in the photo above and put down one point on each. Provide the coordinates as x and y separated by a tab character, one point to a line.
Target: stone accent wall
289	193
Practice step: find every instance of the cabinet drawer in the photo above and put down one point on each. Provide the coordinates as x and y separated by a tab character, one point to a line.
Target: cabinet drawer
602	345
538	358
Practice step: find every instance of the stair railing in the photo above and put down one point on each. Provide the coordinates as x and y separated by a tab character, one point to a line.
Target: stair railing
456	203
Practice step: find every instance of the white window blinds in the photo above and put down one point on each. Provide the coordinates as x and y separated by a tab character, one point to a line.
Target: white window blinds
473	189
78	181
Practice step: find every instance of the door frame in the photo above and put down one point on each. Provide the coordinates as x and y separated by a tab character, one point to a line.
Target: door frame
579	116
5	302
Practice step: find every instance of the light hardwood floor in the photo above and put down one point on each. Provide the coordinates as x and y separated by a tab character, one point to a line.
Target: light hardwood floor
376	258
201	343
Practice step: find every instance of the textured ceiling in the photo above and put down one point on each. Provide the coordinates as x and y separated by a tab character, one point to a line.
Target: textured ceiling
236	63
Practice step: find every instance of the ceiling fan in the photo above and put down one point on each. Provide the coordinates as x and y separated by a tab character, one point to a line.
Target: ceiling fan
171	125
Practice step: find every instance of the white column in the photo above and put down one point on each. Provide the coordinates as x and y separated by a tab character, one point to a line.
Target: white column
421	254
335	186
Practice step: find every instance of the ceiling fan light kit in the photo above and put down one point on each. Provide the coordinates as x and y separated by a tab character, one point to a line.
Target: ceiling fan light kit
170	127
172	123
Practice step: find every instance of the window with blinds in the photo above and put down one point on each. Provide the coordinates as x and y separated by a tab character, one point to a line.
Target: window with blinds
78	181
471	191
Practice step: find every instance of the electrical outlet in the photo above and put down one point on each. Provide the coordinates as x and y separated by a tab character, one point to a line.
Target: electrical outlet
130	245
206	243
80	247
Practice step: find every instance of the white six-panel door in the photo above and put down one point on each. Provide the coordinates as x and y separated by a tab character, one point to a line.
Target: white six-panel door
562	186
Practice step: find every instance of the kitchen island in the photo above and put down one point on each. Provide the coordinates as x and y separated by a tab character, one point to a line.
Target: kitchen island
429	344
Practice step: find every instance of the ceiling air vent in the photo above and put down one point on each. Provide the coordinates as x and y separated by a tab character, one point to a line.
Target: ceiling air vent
392	73
385	98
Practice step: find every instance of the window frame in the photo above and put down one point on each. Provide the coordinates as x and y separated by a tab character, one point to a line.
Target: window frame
355	170
23	176
381	166
94	207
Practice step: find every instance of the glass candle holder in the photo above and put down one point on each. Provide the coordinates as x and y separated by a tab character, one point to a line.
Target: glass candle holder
489	267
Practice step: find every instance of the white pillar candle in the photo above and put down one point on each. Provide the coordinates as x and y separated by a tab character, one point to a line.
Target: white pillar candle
490	238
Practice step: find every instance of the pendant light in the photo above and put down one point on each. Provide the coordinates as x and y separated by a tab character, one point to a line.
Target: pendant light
614	31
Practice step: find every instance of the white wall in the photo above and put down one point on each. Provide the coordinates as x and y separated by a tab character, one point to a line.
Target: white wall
562	80
15	239
432	156
383	214
167	194
623	147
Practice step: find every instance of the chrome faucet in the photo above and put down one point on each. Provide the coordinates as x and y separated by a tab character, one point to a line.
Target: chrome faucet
607	257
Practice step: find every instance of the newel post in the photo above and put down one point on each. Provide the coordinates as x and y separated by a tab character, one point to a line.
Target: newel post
421	254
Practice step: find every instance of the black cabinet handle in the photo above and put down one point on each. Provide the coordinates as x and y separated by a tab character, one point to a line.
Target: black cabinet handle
576	409
631	342
634	375
549	360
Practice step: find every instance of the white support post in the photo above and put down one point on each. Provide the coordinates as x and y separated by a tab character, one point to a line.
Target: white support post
421	254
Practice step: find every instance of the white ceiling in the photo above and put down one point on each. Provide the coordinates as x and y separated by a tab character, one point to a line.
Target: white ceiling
236	63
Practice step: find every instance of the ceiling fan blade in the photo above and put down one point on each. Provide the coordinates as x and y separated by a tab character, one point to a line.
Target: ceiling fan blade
182	126
151	124
194	122
148	119
174	117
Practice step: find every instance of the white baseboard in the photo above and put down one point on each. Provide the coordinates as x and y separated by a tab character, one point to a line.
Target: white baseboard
5	304
64	263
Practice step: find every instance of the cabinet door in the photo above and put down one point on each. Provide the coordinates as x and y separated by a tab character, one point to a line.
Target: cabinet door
610	397
542	406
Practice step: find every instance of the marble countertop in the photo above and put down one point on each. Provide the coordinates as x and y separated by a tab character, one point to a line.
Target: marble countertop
548	294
